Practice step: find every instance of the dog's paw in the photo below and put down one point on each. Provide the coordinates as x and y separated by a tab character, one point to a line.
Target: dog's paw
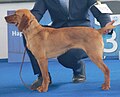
105	86
42	89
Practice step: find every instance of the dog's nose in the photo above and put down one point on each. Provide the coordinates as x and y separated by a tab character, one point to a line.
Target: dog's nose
5	17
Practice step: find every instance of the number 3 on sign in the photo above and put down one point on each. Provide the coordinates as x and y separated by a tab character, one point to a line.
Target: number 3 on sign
113	42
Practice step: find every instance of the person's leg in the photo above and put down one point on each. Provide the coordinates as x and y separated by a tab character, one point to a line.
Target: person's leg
72	59
35	67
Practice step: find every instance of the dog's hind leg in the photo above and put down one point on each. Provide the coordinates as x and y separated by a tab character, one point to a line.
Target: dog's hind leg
96	57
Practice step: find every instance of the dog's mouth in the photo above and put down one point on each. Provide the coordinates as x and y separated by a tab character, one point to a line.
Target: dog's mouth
10	20
16	24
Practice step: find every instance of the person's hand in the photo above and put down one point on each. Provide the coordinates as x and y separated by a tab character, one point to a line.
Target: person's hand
107	31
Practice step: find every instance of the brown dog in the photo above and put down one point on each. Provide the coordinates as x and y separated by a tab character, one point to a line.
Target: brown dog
45	42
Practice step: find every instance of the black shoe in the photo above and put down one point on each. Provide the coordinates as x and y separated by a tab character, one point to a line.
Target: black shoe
38	82
79	78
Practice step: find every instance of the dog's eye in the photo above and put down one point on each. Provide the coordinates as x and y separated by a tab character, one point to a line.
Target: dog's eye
15	13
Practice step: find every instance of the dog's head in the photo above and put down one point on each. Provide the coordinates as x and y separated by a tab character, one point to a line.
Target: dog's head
21	18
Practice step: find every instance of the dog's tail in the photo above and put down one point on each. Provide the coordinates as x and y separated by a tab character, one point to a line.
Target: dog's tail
106	29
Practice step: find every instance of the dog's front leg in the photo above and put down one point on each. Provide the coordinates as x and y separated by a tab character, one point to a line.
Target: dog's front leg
43	64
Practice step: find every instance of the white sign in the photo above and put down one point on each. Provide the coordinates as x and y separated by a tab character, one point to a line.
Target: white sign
103	8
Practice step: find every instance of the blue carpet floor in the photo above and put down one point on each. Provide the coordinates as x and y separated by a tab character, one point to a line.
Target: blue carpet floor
62	86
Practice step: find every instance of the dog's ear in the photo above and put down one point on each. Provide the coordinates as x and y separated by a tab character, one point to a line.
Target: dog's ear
24	23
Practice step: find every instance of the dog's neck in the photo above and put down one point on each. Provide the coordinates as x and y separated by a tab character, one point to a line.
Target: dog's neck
34	26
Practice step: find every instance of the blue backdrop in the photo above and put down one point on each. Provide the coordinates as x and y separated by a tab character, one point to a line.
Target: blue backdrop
111	42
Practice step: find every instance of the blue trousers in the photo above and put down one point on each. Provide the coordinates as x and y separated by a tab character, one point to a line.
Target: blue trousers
71	59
